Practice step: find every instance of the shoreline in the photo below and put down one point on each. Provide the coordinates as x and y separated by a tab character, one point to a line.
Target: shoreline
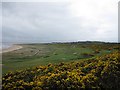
12	48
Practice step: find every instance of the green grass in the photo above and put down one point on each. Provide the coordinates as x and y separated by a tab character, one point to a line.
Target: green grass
42	54
95	72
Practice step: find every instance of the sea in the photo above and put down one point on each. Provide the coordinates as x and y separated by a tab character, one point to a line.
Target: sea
5	45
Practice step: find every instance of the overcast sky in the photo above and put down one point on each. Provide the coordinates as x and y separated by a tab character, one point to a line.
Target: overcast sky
72	20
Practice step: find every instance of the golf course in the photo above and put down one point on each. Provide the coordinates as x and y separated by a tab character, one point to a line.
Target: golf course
43	54
59	64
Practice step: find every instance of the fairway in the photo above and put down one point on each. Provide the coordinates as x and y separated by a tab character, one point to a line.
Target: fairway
42	54
59	45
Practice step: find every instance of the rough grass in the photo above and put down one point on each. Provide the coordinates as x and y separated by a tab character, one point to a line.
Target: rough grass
101	72
42	54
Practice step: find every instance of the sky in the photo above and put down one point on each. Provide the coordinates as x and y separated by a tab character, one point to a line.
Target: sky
60	21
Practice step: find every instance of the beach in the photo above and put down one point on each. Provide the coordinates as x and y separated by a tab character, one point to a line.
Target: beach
12	48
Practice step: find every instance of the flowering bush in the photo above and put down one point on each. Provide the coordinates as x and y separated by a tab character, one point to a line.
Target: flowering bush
100	72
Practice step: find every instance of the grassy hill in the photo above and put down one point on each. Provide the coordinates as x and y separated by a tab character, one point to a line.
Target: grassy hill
96	66
100	72
42	54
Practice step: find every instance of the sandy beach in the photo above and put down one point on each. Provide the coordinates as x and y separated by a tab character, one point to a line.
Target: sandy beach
12	48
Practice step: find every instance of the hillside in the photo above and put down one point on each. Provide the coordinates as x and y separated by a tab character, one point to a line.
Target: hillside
100	72
42	54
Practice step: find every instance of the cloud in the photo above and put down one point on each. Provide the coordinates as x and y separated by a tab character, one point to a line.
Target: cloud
101	15
35	1
59	21
0	23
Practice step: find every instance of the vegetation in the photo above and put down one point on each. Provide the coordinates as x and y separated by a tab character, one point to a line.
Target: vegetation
98	71
42	54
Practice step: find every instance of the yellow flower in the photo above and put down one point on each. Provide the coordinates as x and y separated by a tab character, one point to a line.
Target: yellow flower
38	70
39	83
3	78
31	83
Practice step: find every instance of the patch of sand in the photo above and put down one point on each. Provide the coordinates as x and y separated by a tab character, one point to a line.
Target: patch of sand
12	48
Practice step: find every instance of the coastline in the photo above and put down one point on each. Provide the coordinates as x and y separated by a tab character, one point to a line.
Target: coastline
12	48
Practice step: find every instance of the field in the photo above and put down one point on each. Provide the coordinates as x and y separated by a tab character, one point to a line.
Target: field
43	54
62	66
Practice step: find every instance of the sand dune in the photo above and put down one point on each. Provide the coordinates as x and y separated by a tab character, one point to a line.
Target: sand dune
12	48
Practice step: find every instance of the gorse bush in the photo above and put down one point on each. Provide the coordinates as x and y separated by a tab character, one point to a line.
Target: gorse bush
100	72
